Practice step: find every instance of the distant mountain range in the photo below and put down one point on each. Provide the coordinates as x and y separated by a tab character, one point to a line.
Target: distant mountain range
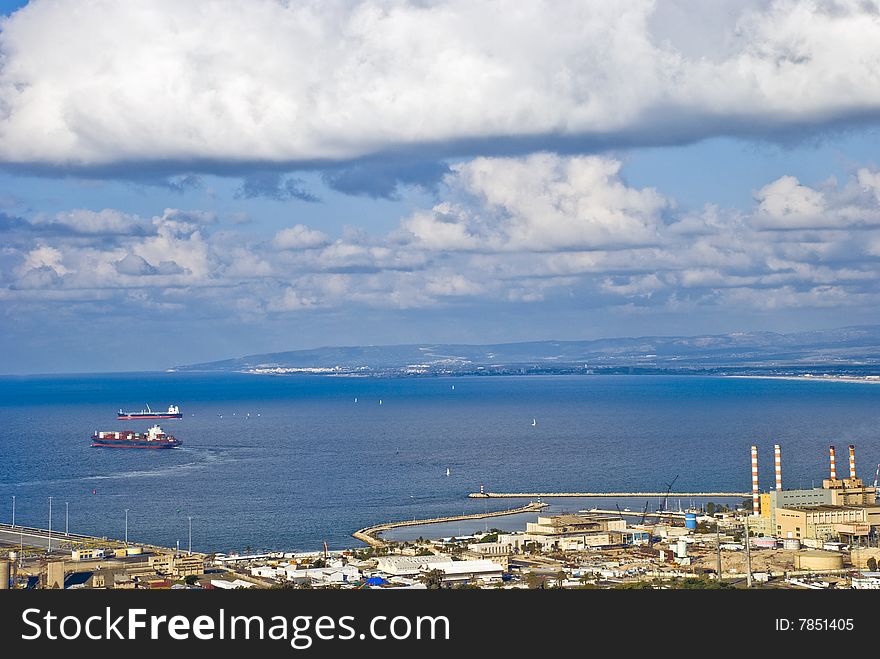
845	351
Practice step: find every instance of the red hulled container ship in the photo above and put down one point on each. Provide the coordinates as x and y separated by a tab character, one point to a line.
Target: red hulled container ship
155	437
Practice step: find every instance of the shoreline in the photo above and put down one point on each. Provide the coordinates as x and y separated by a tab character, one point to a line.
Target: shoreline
868	379
370	534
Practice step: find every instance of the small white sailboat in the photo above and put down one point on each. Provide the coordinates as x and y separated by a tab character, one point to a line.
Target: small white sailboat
447	471
355	399
453	387
534	422
380	401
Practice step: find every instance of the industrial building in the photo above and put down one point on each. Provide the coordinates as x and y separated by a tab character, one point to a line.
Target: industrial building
843	508
568	533
457	572
407	566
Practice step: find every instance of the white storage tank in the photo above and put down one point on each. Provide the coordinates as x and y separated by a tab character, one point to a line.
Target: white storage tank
791	543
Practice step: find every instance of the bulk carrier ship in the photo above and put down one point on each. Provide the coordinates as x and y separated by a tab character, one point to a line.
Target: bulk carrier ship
172	413
155	437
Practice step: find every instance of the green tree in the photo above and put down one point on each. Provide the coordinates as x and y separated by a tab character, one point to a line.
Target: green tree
433	579
560	578
191	580
535	581
872	564
710	508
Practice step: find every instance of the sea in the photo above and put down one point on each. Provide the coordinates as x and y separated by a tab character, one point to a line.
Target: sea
289	462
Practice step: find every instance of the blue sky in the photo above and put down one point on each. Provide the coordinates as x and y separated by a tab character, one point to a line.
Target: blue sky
181	182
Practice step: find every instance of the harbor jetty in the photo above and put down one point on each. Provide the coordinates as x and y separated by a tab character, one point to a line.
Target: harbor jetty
370	534
553	495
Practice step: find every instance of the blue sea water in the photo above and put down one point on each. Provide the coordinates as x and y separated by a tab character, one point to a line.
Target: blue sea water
310	464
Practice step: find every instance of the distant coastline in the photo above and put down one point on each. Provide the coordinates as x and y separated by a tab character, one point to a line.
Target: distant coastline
867	379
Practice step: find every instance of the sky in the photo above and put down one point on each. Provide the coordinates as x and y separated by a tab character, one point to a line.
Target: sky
184	182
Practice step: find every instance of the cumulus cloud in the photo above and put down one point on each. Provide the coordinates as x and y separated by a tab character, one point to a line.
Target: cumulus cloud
522	230
544	202
132	264
300	236
91	84
787	204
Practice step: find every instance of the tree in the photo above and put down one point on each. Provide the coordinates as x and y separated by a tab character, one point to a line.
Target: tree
872	564
710	508
535	581
433	579
191	580
560	578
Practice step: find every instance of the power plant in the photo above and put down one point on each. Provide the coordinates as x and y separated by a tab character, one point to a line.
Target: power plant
843	509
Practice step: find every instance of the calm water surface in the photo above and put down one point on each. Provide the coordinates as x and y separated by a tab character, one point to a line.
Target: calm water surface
310	464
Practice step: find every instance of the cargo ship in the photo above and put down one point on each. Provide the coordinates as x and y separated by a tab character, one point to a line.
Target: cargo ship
155	437
172	413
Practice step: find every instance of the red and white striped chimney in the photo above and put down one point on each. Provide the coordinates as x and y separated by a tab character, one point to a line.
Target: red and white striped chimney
778	458
852	461
756	502
833	470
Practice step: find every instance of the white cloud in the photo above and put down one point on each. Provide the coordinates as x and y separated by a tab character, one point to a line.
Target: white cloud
300	236
152	80
787	204
43	257
543	202
522	230
132	264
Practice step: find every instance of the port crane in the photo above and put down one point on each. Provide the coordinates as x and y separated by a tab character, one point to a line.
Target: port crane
669	519
668	490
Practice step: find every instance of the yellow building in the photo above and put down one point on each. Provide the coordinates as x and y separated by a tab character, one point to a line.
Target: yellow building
826	522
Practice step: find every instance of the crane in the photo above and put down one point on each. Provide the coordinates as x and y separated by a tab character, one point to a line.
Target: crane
668	490
644	513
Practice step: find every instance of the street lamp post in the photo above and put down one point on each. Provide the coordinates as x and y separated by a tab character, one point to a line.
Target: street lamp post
126	527
67	518
13	511
50	525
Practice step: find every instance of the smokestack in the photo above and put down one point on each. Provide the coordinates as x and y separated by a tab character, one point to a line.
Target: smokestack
756	503
852	461
833	470
778	458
